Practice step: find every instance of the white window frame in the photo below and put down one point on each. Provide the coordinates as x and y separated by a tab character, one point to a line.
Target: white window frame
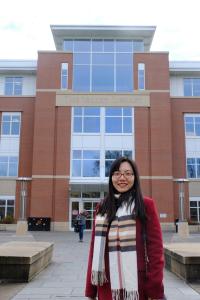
64	76
16	80
192	86
8	165
6	198
141	76
198	206
12	115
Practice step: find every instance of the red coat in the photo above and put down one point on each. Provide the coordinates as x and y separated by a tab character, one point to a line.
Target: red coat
150	284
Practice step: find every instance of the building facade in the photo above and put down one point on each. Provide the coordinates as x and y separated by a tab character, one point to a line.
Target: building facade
101	94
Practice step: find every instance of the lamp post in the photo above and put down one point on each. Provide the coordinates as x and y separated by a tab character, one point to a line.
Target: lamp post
183	229
22	222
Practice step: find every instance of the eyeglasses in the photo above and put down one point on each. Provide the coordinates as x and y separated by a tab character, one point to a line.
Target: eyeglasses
118	174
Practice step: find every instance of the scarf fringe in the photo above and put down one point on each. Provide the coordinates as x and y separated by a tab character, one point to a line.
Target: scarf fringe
131	295
98	278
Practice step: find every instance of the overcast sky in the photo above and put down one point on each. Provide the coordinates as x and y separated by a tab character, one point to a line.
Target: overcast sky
25	24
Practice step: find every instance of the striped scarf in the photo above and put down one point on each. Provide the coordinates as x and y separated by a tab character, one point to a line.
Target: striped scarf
122	254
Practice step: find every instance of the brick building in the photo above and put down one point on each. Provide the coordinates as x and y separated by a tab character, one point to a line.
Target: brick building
101	94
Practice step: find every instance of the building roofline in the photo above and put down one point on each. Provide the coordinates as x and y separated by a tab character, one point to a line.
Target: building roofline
184	66
18	65
61	32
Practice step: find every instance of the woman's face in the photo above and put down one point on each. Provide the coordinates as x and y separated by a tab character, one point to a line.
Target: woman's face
123	179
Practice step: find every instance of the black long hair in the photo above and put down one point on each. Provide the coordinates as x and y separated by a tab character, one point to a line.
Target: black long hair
109	205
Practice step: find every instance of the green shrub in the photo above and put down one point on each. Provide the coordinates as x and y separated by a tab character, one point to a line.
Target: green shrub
8	220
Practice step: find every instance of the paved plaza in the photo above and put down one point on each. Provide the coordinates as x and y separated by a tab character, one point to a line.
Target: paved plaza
64	278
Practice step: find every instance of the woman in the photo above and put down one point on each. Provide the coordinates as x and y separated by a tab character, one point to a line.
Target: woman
126	253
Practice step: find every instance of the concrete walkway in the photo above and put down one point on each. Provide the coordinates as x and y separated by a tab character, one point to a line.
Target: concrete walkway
64	278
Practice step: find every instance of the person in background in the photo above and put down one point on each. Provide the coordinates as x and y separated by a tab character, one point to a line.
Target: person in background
126	253
81	221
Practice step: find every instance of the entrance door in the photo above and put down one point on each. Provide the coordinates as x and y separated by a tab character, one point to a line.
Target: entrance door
89	206
74	210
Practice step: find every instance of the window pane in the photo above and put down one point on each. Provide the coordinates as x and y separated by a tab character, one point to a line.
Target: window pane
127	125
128	153
91	168
124	46
77	124
10	202
91	154
193	214
81	78
191	171
92	111
68	45
113	124
138	46
97	45
190	160
193	203
124	78
3	169
187	87
108	46
82	45
103	78
108	164
189	127
114	111
196	87
103	58
76	168
81	58
2	212
127	111
78	111
124	58
91	124
10	211
77	154
15	118
197	129
198	171
6	118
15	128
13	169
3	202
113	154
5	128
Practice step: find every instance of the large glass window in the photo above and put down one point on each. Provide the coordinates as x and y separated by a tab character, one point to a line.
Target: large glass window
103	65
86	120
8	165
64	76
192	125
10	124
6	207
13	86
193	167
85	163
191	86
111	155
118	120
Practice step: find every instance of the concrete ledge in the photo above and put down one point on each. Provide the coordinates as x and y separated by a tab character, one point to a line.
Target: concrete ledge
183	259
2	227
21	261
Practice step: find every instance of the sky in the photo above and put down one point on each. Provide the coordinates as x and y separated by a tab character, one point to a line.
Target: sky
25	24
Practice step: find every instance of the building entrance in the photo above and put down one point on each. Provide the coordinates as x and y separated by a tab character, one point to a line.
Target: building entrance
79	204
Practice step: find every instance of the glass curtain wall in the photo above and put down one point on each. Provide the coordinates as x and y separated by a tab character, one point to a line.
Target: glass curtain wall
103	65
